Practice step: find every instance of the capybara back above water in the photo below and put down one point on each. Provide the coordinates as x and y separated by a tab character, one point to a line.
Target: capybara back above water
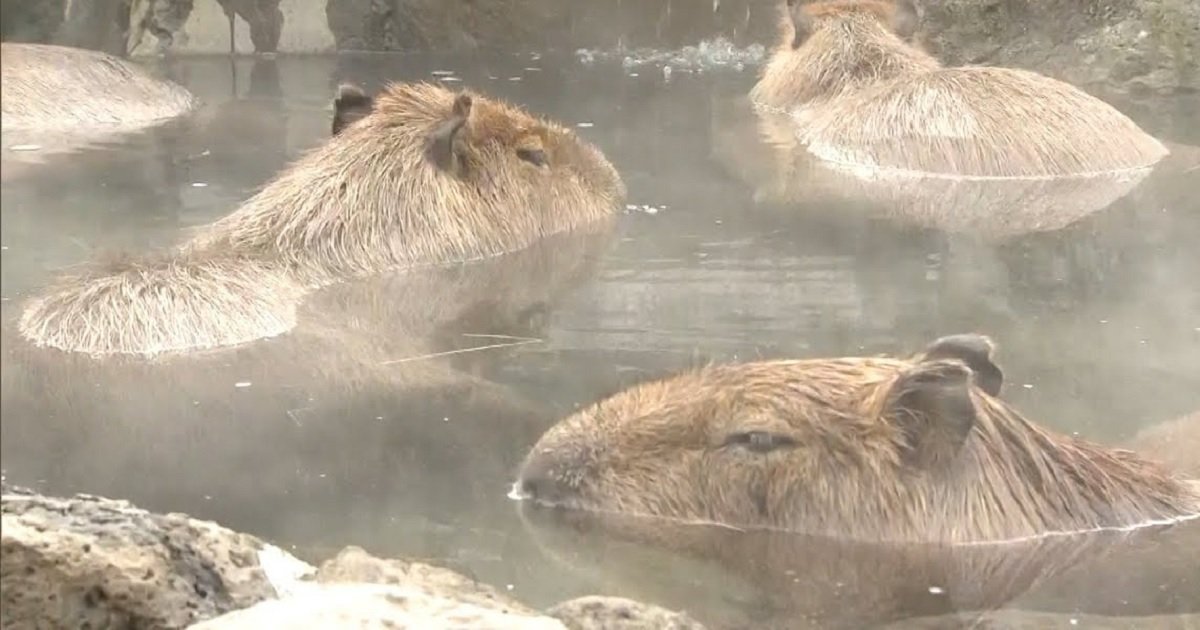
418	175
57	88
862	94
916	450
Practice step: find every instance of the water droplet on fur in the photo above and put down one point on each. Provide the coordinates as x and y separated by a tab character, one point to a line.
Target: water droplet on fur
445	419
514	78
936	590
322	475
442	73
508	586
585	125
1074	621
532	69
26	147
1027	385
449	79
633	74
199	185
241	384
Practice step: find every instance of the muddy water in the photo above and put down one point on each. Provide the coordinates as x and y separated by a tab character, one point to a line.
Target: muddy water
361	429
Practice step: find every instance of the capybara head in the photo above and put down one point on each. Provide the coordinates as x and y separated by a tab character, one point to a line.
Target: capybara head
803	18
828	47
870	448
420	174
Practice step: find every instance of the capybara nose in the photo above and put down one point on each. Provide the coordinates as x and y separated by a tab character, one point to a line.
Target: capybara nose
541	480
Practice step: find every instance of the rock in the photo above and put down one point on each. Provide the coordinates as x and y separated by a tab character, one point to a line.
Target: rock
358	605
439	25
1127	46
33	21
616	613
92	562
353	564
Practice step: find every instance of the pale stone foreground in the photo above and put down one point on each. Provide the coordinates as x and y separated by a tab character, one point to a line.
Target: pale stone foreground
88	561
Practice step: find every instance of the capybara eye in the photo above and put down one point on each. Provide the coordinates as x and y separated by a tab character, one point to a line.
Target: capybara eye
760	441
536	157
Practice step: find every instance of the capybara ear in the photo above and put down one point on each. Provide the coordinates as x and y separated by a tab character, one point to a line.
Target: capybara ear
350	105
445	139
976	351
904	19
801	22
931	405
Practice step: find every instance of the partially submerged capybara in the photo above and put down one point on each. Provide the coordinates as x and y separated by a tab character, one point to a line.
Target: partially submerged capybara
869	448
763	151
49	88
862	93
421	176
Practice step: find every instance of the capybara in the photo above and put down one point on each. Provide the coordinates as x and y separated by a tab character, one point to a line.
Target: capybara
863	94
427	177
877	449
61	89
761	149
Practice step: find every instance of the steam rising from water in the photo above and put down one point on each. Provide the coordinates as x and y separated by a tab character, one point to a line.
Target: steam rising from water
711	54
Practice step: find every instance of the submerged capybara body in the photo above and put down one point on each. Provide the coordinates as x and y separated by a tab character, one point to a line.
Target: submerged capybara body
60	89
868	448
424	176
863	94
763	152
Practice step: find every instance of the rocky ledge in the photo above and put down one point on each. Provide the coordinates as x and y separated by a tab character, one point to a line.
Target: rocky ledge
1130	46
91	562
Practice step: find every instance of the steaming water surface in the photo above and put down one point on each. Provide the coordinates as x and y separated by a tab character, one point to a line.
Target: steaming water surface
378	438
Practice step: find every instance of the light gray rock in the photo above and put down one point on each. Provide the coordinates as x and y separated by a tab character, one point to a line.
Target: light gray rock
358	605
92	562
616	613
352	564
1122	45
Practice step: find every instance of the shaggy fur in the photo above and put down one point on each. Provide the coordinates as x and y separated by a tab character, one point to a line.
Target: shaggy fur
427	177
55	88
861	94
761	150
164	304
867	448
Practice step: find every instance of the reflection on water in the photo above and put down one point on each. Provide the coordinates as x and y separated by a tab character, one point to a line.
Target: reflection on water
375	423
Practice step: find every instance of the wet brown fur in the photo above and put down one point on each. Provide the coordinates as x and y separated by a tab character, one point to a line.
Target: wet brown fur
426	177
867	448
57	88
862	94
762	150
